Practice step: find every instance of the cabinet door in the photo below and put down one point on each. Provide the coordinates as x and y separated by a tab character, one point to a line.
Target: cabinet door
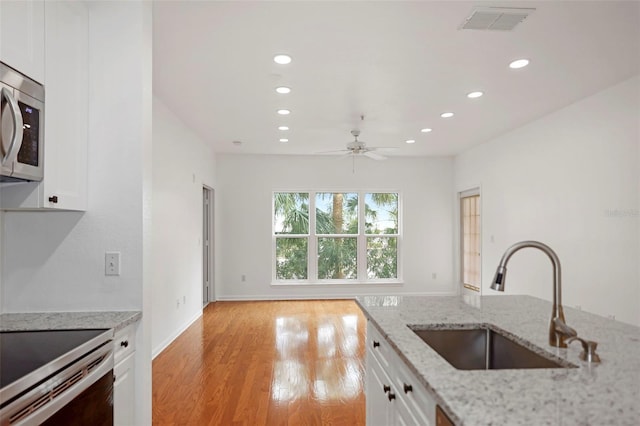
378	404
404	416
66	109
124	392
22	36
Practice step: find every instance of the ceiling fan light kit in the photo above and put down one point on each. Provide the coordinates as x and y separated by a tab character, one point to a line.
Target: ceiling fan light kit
360	148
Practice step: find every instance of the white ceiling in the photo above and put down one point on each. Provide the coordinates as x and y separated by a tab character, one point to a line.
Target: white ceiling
400	64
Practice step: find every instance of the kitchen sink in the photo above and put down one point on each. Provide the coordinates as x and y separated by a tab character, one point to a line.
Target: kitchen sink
481	347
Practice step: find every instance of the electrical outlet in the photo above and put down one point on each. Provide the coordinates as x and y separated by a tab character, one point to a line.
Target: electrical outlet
243	278
434	275
112	263
184	300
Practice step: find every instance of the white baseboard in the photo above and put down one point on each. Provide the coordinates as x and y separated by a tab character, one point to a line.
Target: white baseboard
157	351
230	298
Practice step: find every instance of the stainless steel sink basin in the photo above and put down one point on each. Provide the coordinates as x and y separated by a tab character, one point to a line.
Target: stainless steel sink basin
479	347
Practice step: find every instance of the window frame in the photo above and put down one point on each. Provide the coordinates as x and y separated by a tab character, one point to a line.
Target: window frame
361	241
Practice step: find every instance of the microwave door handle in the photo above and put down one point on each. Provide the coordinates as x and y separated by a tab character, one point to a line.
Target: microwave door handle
16	139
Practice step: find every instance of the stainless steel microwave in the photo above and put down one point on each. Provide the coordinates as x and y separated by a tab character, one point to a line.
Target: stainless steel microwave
22	131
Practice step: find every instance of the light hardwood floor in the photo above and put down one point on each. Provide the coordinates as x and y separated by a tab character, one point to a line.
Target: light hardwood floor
265	363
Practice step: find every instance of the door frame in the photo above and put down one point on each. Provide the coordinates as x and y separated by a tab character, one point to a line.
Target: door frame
472	190
208	246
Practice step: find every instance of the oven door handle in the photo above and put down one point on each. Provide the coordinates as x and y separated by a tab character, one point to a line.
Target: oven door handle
16	139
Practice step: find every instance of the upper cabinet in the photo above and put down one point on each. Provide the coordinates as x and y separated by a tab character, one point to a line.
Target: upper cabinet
22	37
67	103
66	82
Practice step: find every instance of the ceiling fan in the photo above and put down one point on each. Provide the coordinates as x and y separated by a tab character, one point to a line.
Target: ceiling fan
356	148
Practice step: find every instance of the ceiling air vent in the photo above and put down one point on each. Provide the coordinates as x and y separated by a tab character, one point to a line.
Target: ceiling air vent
495	18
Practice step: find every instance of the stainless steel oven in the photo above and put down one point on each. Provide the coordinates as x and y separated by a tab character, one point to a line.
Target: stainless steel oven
22	127
56	377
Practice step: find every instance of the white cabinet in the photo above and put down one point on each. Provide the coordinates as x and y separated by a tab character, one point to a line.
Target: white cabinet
66	81
377	384
394	394
123	370
123	392
67	104
22	36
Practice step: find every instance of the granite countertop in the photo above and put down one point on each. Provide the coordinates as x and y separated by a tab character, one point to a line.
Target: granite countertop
592	394
115	320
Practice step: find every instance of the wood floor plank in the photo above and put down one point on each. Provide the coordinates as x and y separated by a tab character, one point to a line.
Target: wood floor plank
265	363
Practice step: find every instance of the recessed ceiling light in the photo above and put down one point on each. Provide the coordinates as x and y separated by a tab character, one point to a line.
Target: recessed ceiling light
426	130
474	95
520	63
284	140
410	141
446	115
284	112
283	89
282	59
283	128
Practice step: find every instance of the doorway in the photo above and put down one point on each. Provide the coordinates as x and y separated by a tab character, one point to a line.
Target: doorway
208	289
470	232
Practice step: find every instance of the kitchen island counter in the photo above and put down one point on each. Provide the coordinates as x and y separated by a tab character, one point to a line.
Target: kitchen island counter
115	320
591	394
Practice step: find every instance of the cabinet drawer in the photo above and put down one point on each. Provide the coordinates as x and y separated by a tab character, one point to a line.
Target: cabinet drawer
124	343
379	346
416	396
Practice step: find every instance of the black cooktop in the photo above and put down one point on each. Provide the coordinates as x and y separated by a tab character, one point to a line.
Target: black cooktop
22	352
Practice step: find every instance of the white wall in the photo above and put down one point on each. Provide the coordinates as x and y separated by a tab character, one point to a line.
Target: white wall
56	261
243	210
182	164
560	180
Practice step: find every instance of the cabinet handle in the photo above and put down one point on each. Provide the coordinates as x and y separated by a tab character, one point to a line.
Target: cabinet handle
391	396
376	344
407	388
16	139
386	388
53	199
124	343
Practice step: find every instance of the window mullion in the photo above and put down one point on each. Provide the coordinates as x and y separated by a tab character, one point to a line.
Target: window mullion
312	257
273	255
362	239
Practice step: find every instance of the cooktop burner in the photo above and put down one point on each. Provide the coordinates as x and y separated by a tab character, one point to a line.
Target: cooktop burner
22	352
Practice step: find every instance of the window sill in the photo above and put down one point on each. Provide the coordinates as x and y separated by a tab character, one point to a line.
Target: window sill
336	283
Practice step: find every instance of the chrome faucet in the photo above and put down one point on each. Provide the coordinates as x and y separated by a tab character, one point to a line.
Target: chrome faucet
559	331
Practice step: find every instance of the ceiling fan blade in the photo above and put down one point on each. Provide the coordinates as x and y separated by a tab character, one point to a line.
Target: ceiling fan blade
384	148
373	155
336	151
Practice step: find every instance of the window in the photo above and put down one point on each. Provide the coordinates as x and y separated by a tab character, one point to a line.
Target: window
470	239
337	233
382	235
335	236
291	227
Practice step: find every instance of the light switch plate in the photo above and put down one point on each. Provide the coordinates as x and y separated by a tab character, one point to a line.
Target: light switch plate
112	263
